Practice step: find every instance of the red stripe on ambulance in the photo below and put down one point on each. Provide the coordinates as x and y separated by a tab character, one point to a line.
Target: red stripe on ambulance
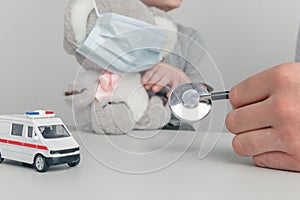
3	141
42	147
15	143
33	146
30	145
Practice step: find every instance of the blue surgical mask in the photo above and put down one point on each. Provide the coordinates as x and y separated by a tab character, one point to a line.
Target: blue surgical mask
122	44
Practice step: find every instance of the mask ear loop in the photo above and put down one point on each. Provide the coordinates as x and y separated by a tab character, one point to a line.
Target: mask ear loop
96	9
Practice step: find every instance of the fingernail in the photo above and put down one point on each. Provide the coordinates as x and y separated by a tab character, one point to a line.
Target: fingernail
230	122
259	161
155	89
238	147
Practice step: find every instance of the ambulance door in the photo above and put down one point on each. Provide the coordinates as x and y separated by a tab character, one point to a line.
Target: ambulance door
30	145
16	142
4	135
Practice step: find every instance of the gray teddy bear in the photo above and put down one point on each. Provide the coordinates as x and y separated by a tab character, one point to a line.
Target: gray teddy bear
130	107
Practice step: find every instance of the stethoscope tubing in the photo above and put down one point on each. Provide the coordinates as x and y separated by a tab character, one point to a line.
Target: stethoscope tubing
215	96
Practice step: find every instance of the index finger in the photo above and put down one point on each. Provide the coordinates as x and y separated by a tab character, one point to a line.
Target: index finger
252	90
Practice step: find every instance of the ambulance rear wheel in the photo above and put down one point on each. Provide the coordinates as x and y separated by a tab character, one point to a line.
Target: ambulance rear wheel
1	159
40	163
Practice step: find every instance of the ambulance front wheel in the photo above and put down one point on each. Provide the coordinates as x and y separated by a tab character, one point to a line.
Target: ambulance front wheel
74	164
40	163
1	159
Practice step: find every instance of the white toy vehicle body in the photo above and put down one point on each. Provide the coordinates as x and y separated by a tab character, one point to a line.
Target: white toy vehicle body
37	138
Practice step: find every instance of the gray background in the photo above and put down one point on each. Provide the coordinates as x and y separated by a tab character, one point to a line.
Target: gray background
243	37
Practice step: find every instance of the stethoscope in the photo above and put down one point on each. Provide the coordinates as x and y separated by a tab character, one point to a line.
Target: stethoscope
192	102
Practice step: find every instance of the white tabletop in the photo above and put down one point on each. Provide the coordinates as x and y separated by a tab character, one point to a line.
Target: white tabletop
219	175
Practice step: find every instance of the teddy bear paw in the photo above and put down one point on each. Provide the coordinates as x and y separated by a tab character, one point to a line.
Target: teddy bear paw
112	118
156	116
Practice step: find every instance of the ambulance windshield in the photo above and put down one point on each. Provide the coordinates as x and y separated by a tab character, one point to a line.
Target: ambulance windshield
54	131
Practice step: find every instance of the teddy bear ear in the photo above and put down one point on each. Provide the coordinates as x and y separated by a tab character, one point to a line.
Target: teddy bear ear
75	26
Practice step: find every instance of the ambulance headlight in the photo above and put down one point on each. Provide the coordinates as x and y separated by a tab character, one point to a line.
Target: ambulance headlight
54	152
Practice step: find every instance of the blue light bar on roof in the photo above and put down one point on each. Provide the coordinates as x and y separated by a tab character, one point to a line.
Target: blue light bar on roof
32	113
40	114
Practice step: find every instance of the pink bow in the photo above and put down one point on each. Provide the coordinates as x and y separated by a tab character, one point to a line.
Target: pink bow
107	84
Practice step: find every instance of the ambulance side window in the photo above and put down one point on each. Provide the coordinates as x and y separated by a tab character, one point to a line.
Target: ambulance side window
30	132
17	129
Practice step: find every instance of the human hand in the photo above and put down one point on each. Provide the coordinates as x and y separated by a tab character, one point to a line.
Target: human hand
266	117
162	75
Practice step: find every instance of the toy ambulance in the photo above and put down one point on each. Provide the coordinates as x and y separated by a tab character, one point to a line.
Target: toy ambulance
37	138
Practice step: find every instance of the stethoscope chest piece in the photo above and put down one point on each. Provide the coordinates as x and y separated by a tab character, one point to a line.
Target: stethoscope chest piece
190	102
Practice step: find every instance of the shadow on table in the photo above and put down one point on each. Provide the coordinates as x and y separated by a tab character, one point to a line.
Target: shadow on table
27	166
